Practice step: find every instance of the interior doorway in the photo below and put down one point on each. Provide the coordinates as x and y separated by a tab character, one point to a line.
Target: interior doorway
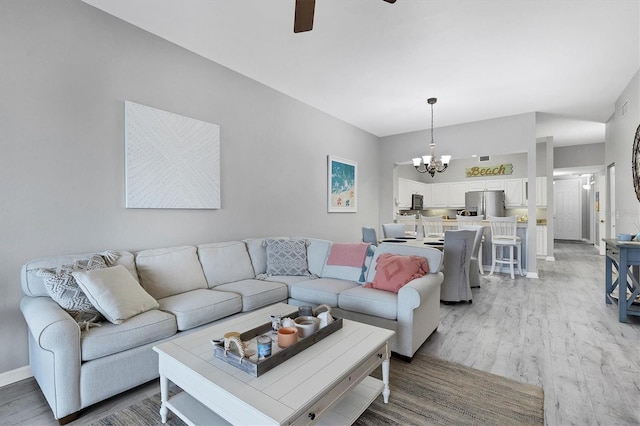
567	217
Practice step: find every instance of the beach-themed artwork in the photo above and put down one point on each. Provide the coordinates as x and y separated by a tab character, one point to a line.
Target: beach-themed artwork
343	184
172	161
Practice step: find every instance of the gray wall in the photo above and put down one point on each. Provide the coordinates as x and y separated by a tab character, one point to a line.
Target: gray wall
579	155
620	135
66	70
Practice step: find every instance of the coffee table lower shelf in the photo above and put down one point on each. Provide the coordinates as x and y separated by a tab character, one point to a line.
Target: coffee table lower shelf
345	412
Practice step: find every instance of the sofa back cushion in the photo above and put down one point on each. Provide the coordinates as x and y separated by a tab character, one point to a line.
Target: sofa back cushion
225	262
317	252
33	285
169	271
258	253
433	256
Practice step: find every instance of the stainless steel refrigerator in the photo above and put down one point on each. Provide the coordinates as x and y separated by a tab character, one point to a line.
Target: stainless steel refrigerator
485	203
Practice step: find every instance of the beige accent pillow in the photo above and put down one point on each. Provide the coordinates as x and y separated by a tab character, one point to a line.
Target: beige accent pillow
224	263
115	293
169	271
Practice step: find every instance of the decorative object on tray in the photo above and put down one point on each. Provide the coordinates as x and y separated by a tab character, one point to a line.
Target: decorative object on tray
264	346
287	336
276	322
305	310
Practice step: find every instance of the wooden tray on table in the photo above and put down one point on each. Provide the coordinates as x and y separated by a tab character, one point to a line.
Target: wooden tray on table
258	366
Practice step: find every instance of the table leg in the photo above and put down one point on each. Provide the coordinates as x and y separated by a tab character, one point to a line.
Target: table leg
623	271
164	397
385	379
608	280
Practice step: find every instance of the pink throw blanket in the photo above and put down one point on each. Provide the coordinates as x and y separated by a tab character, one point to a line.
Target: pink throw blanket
348	254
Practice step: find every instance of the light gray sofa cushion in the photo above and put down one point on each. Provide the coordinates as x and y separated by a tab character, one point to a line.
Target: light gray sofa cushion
110	338
225	262
321	290
317	253
256	293
168	271
370	301
200	306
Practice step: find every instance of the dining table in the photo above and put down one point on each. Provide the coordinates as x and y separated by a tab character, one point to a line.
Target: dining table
432	240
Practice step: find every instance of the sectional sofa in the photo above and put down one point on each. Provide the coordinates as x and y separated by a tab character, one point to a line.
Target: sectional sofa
189	287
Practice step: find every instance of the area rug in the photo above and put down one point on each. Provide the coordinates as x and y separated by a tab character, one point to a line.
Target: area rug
426	391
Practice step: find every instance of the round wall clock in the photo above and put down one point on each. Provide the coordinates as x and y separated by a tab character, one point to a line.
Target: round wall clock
635	163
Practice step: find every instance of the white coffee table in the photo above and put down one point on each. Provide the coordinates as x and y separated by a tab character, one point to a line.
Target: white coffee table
326	383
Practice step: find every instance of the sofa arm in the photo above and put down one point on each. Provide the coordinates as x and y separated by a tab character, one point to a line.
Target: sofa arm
54	353
418	312
416	291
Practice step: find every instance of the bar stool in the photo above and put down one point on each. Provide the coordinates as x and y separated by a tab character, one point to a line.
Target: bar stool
432	225
503	234
470	222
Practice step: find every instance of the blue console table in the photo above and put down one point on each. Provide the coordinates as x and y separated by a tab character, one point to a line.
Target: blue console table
624	256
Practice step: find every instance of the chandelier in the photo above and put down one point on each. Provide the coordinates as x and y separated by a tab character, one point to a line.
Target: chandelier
429	163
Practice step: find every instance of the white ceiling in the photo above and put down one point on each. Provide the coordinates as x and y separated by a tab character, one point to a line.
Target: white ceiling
374	64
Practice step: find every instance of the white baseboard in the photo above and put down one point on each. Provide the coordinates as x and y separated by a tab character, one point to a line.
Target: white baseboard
532	275
15	375
551	258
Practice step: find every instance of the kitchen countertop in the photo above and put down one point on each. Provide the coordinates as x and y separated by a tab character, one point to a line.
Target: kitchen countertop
454	221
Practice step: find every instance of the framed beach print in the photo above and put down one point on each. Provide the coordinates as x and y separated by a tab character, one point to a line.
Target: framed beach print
342	187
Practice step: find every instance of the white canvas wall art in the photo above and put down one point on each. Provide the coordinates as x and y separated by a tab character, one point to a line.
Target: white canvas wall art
172	161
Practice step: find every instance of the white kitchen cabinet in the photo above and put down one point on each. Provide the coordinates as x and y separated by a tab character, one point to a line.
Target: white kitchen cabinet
495	184
426	191
456	193
541	191
404	193
408	187
514	193
541	240
476	185
440	195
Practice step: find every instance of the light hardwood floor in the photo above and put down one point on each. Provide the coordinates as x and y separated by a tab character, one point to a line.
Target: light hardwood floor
555	332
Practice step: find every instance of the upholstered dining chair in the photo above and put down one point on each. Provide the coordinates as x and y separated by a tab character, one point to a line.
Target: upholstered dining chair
458	248
393	230
432	225
470	222
503	235
369	236
474	269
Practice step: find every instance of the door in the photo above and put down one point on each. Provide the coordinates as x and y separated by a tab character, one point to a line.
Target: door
567	218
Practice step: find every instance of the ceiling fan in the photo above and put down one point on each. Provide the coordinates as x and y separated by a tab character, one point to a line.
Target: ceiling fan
303	20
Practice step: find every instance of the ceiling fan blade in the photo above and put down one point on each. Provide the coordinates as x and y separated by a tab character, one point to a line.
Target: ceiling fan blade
303	20
390	1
